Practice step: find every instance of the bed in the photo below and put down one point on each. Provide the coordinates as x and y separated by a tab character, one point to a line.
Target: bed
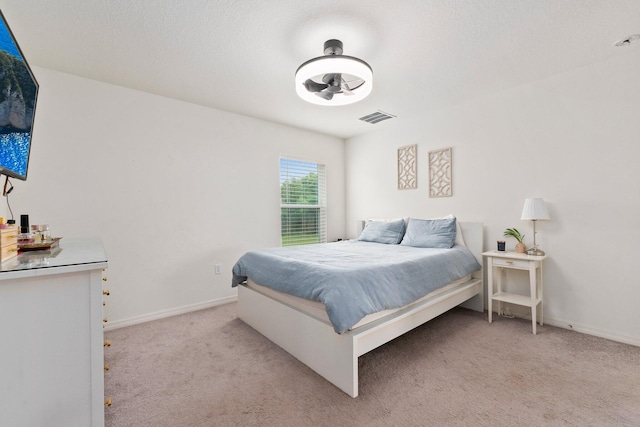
307	329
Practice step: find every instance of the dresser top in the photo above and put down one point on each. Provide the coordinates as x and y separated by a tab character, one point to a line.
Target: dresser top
72	253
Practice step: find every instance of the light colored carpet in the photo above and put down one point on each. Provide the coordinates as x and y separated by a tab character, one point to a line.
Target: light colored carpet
208	368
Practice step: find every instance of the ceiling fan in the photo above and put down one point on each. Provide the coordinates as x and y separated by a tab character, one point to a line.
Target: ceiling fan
322	78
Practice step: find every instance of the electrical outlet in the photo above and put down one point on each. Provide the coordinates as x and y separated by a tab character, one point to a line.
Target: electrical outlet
218	269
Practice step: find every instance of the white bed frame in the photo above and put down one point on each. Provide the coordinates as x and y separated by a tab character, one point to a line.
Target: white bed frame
335	356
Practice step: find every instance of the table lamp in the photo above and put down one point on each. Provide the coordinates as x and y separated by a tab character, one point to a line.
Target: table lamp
534	210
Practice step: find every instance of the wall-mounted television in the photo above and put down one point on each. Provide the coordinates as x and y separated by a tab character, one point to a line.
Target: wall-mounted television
18	95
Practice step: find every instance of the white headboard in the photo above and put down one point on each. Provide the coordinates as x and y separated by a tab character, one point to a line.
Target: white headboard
472	232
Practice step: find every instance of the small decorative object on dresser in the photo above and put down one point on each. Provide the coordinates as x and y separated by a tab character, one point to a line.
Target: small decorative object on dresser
8	243
513	232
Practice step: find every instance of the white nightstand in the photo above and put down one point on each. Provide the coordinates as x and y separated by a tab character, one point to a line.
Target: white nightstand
531	263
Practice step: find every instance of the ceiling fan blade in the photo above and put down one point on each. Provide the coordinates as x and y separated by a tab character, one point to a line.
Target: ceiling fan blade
325	94
335	84
312	86
329	78
345	89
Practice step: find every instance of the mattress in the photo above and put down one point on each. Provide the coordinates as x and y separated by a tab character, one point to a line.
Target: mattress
354	279
318	310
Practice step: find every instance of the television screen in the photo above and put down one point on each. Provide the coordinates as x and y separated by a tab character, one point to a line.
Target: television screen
18	94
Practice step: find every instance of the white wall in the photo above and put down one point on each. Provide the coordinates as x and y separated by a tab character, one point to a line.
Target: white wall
572	139
172	188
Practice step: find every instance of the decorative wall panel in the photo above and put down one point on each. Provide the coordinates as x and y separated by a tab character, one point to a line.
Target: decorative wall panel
408	167
440	167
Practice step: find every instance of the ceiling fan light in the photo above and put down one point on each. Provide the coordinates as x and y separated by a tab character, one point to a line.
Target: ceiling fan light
334	64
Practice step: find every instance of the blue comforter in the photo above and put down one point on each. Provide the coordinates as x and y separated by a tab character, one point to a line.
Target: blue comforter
355	278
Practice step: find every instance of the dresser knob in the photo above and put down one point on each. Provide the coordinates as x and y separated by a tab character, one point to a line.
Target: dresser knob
104	279
105	320
107	343
107	402
104	303
106	292
106	366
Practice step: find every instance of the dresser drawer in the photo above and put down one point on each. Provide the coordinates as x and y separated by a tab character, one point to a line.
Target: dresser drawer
511	263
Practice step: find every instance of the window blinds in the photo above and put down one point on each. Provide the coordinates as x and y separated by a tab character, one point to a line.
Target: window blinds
303	197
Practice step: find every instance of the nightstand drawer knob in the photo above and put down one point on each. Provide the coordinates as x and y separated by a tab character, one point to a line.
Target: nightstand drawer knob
107	402
509	262
106	366
107	343
106	292
104	279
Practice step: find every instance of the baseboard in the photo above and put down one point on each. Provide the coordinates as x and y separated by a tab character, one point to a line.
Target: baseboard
524	313
168	313
613	336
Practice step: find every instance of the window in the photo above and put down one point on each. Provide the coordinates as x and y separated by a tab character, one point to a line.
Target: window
302	202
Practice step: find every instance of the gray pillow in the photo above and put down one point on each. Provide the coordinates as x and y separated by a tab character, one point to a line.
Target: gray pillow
389	232
430	233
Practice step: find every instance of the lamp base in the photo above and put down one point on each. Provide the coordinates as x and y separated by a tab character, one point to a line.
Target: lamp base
535	251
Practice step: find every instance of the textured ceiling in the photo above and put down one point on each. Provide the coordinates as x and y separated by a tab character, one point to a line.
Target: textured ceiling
241	55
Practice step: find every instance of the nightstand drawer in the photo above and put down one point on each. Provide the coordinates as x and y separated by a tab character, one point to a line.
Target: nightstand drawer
511	263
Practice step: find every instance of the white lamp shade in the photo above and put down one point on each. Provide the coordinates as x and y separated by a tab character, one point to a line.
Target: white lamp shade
331	64
534	209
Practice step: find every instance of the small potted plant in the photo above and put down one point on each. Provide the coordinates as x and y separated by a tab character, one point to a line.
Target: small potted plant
513	232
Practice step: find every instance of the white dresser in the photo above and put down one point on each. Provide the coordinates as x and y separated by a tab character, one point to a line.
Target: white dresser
51	339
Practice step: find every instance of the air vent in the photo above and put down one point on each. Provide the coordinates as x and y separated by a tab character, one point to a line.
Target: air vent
376	117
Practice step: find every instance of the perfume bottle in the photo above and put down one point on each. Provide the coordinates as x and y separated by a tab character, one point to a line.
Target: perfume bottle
45	232
35	233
